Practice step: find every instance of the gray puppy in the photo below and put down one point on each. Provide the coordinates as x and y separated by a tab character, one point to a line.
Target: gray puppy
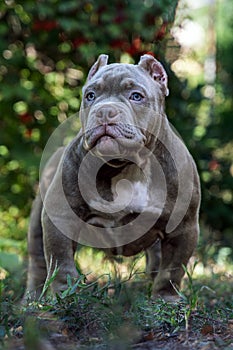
126	183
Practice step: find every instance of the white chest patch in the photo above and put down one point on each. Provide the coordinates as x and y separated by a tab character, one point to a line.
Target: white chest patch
132	193
131	189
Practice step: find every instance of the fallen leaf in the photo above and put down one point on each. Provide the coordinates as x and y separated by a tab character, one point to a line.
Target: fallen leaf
149	336
207	329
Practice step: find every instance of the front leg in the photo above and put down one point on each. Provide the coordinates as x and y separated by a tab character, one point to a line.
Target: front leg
176	252
59	253
153	257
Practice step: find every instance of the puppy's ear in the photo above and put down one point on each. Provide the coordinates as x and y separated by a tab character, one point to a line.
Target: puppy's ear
156	71
102	61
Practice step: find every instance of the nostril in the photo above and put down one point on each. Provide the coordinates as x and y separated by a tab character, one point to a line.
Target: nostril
106	113
99	114
112	113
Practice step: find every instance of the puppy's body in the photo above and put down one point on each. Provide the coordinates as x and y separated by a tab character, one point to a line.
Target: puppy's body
124	182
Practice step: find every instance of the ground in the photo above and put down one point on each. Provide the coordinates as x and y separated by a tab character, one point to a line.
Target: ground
118	313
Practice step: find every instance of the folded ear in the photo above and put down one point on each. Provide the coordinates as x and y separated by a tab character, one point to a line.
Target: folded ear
102	61
156	71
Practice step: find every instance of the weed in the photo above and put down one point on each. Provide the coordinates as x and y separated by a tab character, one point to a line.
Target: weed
111	313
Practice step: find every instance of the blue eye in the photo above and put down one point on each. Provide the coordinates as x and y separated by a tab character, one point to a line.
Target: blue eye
136	96
90	96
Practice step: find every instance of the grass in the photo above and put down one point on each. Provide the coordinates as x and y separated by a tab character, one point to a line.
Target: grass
114	311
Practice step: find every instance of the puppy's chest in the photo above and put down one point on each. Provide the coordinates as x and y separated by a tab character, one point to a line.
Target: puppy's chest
131	190
126	193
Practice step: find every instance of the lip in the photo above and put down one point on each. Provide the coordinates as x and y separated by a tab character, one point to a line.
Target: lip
102	131
103	137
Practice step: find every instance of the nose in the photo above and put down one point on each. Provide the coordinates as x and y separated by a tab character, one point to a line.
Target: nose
107	114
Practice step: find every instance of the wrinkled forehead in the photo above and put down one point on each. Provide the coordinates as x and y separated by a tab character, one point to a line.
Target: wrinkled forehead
117	73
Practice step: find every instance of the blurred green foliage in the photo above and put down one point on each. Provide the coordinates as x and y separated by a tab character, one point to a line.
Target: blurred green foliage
46	48
215	146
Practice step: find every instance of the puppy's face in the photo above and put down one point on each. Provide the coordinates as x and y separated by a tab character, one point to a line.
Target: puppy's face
120	108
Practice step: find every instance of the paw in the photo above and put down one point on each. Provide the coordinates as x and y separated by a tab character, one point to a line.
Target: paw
166	296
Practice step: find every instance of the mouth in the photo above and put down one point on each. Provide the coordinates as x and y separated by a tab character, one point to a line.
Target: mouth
115	141
107	133
104	137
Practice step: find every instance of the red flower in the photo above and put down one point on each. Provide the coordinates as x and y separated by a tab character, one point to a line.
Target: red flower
213	165
26	118
28	133
149	53
119	44
135	47
79	41
162	32
45	25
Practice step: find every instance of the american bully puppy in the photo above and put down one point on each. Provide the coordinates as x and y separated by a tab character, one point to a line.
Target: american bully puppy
126	183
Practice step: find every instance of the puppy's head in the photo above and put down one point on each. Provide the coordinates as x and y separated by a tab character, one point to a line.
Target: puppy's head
121	105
